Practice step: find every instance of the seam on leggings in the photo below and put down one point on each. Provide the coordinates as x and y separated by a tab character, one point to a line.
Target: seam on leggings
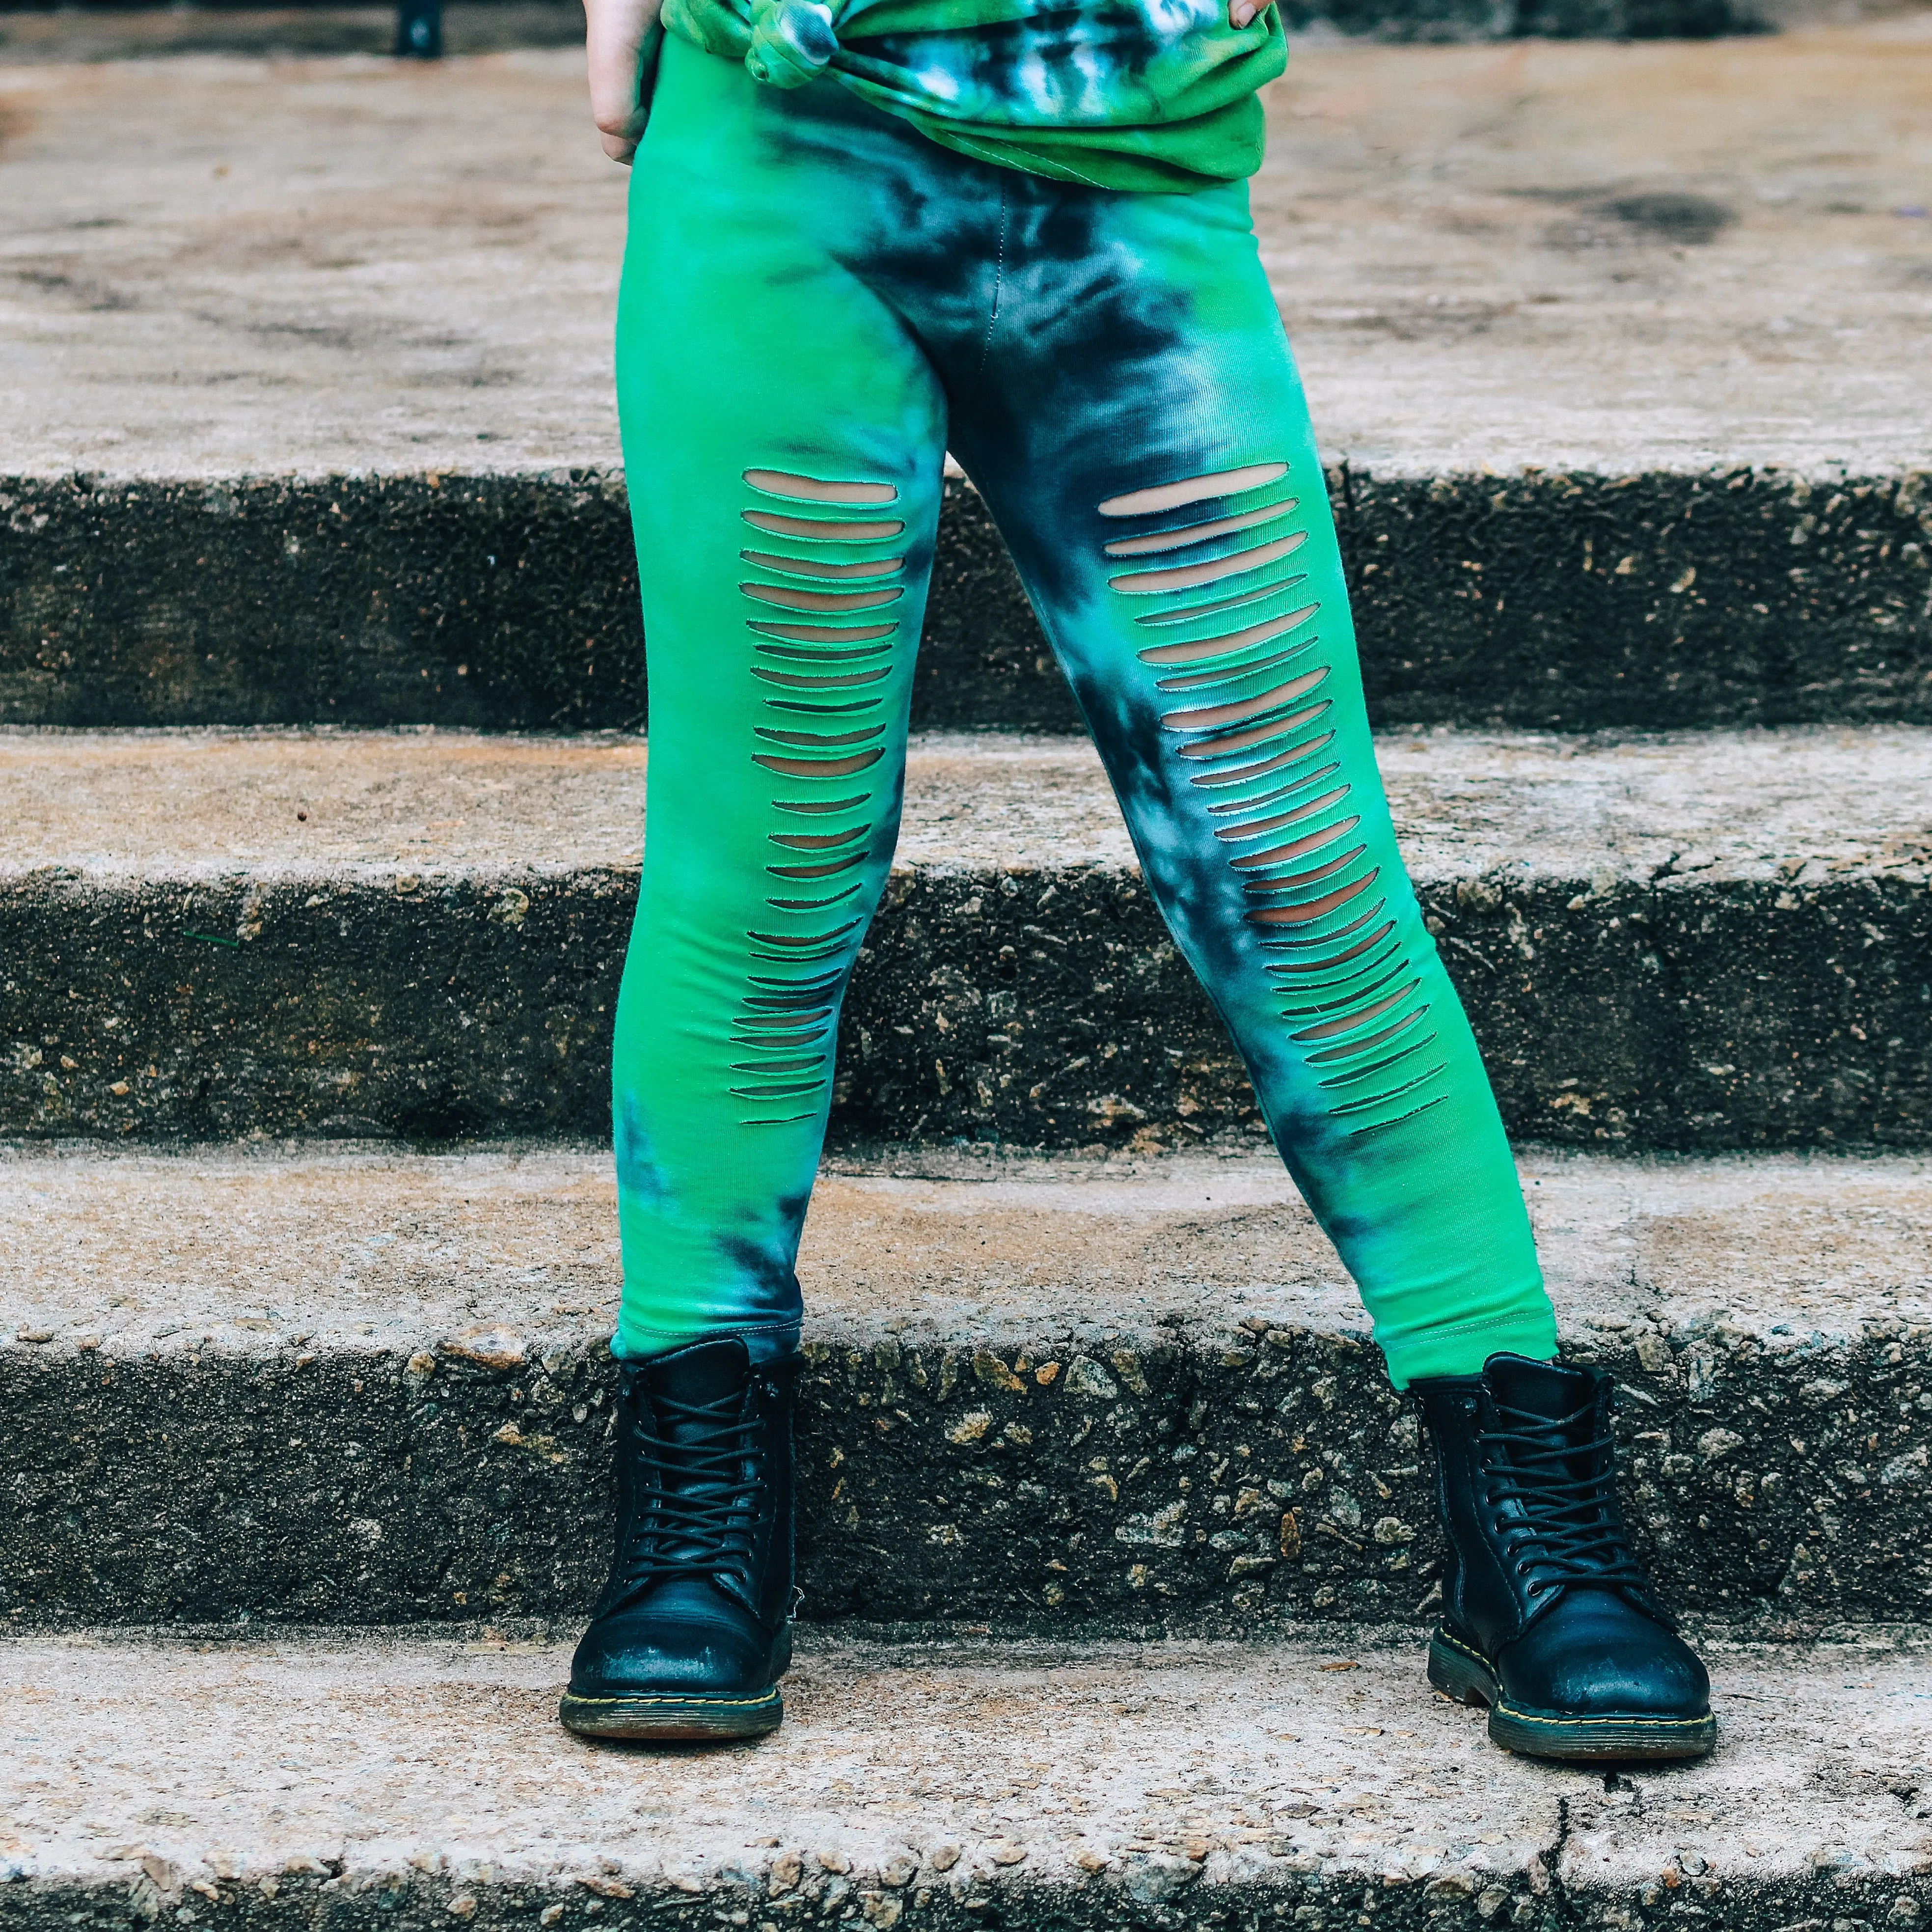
1476	1327
999	281
722	1328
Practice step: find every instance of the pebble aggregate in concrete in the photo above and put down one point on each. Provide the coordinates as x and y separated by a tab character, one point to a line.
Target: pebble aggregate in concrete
302	1386
1313	1781
1682	940
1573	601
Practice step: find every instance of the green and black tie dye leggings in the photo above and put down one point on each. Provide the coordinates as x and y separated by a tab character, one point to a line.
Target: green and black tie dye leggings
817	301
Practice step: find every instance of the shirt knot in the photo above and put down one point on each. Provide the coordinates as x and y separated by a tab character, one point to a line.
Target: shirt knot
793	41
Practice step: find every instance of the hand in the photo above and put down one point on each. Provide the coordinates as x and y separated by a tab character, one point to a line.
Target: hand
1240	12
615	32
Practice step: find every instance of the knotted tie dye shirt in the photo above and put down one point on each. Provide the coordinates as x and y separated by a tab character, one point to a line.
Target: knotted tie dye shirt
1138	95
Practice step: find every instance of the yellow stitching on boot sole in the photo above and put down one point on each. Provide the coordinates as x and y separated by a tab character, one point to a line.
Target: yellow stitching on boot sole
701	1703
1526	1717
1627	1724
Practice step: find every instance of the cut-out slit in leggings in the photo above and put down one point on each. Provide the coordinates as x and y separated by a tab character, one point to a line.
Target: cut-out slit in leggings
1311	890
817	490
1193	490
1192	576
1256	828
1197	533
884	531
1228	641
799	567
826	677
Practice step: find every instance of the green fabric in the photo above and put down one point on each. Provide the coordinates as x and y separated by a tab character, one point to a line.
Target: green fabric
1143	95
781	320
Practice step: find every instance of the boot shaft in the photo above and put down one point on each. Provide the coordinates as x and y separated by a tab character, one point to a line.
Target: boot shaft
704	1475
1525	1485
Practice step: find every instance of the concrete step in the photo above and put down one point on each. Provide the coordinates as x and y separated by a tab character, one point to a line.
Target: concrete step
393	1779
1612	350
299	1386
1677	940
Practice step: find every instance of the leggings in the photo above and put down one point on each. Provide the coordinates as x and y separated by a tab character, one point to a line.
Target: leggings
817	302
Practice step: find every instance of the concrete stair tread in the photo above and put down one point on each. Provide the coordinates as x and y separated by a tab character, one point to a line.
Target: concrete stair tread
1442	230
1609	349
1674	808
1095	1780
505	1255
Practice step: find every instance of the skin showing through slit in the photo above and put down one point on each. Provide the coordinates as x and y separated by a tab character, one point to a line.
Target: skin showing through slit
819	680
1248	740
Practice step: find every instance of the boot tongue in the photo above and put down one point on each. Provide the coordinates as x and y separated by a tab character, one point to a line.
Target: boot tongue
1545	1389
704	1372
1552	1419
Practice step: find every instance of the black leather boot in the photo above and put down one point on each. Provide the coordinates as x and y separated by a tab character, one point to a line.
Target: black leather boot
1547	1617
694	1629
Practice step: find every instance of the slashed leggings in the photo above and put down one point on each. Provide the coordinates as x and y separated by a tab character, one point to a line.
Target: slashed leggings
816	302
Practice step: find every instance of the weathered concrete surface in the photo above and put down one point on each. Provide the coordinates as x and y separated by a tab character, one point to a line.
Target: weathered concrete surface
1684	940
400	1781
1619	278
102	32
1612	259
1437	21
72	34
320	1387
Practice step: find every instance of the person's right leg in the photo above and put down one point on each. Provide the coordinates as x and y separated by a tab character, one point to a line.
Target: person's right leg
783	445
783	442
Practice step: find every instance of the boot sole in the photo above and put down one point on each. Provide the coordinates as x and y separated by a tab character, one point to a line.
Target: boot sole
660	1717
1613	1736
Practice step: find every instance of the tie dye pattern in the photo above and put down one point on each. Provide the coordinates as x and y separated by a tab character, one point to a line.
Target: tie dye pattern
816	302
1145	95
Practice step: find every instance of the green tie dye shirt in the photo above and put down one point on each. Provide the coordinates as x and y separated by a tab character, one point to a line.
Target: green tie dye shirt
1121	94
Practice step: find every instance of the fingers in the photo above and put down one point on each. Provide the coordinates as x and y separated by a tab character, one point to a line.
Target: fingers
1240	12
620	119
616	35
619	134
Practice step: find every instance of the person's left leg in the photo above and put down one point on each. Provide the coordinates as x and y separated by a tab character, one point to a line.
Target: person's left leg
1136	422
1139	432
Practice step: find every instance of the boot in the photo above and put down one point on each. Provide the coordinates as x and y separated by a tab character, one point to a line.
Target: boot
693	1628
1547	1617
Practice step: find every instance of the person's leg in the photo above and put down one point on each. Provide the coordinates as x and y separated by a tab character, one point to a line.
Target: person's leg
1140	434
1137	425
783	439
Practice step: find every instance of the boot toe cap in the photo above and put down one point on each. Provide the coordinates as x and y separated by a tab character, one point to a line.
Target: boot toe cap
1590	1659
1659	1685
674	1641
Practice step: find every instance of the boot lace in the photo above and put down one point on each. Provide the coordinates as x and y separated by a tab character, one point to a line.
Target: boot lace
699	1507
1570	1531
